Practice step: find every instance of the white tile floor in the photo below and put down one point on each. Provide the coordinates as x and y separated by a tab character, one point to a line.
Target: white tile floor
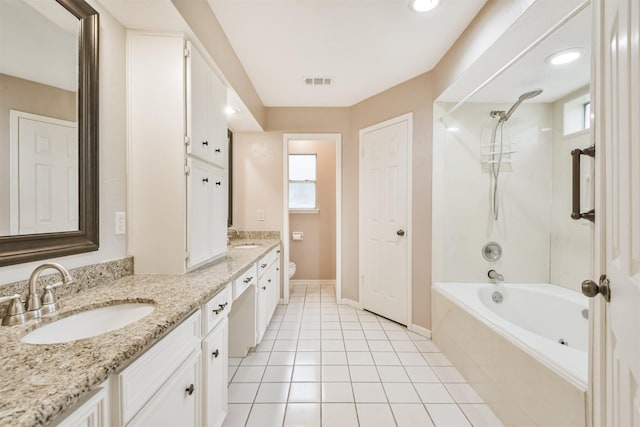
322	364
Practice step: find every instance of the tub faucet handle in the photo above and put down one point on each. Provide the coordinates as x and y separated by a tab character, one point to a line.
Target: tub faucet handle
494	275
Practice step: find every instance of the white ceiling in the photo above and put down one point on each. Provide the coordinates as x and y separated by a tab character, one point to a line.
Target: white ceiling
365	46
532	71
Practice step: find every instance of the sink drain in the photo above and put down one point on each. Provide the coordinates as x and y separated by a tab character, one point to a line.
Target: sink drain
497	297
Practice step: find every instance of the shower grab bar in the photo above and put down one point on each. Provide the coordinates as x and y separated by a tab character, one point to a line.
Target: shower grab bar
575	157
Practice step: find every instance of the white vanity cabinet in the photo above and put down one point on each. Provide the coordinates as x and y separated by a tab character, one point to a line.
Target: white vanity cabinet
268	290
163	386
94	412
215	358
177	155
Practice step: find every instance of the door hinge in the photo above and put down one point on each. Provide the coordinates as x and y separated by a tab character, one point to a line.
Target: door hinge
187	140
187	257
187	170
187	52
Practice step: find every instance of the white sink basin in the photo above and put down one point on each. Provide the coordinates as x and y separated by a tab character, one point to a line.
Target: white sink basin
247	246
88	323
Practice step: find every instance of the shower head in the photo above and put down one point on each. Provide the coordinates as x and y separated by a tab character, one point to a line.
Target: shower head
523	97
529	95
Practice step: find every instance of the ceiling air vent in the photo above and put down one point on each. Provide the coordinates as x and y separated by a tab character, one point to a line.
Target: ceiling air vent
317	81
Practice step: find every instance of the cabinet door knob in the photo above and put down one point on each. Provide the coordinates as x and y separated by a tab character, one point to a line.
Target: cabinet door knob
217	150
205	179
218	183
269	281
190	390
205	143
264	288
216	353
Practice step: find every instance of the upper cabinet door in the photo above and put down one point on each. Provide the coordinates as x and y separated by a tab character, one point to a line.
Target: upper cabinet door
198	110
206	118
218	121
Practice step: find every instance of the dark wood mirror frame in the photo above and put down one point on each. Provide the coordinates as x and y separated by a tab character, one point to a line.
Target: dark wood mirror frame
25	248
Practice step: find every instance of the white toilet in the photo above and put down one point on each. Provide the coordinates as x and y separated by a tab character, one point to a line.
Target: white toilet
292	269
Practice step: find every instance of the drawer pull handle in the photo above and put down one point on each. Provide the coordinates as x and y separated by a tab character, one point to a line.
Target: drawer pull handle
269	280
216	353
218	183
205	143
264	288
220	308
217	150
190	390
248	279
263	265
278	251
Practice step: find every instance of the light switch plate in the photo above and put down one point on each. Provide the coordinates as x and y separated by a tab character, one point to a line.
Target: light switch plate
260	214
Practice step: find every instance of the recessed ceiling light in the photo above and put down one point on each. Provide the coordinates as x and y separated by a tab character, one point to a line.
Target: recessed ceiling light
564	56
230	111
423	5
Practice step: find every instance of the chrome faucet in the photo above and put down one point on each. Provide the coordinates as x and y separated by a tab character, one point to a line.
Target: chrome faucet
36	307
230	230
494	275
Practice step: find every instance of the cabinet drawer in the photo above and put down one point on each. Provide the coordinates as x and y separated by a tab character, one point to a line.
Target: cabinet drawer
268	259
138	382
247	279
216	309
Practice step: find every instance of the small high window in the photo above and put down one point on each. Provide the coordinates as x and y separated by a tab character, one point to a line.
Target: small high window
302	181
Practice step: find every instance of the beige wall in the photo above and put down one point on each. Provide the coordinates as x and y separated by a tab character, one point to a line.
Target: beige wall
412	96
29	97
315	255
252	149
112	154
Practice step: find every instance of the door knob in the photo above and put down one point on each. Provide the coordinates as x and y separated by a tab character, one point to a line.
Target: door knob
400	232
591	288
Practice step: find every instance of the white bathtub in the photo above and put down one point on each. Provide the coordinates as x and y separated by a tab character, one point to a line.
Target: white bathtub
534	317
510	351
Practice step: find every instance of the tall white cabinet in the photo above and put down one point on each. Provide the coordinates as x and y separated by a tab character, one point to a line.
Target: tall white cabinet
177	155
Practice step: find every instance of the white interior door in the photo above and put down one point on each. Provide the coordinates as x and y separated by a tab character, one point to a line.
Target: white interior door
619	129
47	185
385	218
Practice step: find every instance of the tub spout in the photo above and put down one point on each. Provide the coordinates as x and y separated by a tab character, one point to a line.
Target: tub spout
494	275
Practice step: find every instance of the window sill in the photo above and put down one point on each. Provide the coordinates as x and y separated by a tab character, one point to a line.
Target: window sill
304	211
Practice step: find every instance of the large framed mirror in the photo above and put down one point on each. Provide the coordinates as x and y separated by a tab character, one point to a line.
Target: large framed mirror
48	129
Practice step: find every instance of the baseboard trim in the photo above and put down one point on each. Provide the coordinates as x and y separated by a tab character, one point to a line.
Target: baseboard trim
311	282
420	330
350	303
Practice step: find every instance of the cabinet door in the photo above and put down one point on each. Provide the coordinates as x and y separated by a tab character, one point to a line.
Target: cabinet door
198	94
93	413
214	363
200	194
218	121
261	308
177	403
273	296
219	216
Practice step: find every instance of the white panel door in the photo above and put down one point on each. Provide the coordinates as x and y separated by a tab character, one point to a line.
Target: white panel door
48	175
619	129
384	218
215	373
220	189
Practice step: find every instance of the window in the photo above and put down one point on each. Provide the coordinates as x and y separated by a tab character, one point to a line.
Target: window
302	181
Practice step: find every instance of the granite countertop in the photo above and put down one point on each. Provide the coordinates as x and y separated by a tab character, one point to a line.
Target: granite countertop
39	382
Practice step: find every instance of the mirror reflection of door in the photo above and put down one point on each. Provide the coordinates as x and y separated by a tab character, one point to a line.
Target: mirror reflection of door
44	197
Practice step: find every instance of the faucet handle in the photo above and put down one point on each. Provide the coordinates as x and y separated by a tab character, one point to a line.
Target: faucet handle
48	299
15	313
